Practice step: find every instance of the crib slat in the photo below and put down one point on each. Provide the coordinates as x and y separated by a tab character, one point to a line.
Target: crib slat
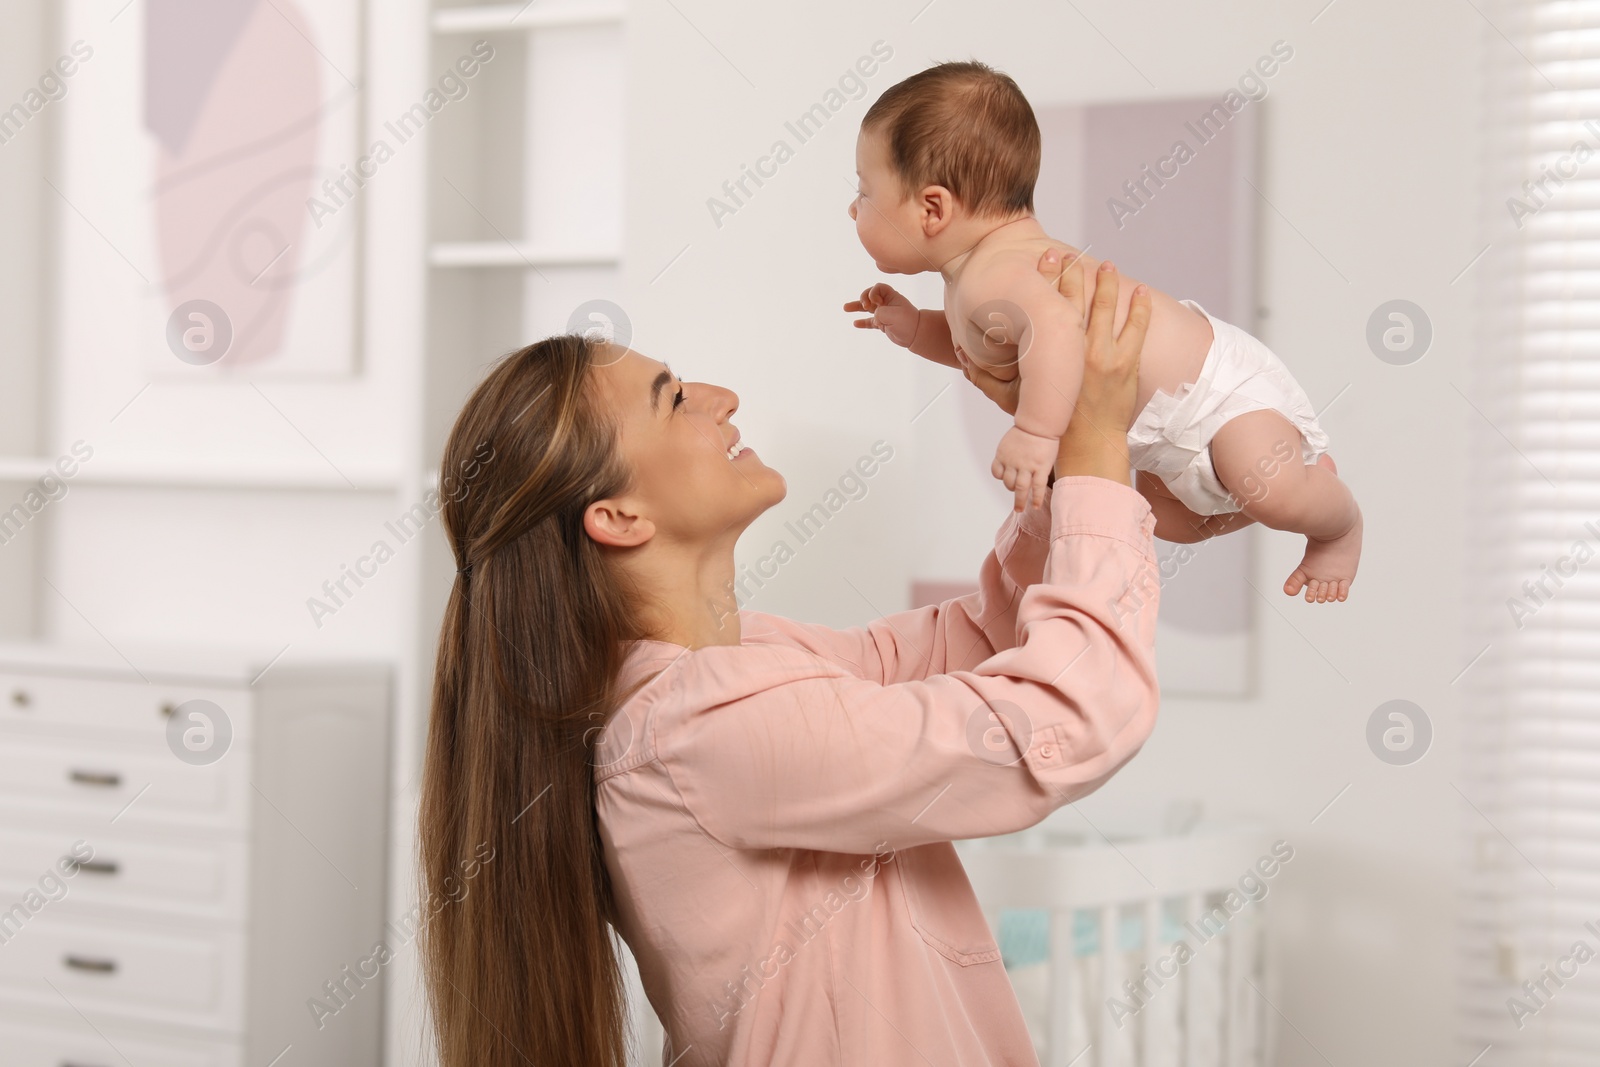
1249	1002
1253	933
1188	908
1067	1036
1196	1023
1169	1017
1263	1021
1110	1043
1149	1032
1235	990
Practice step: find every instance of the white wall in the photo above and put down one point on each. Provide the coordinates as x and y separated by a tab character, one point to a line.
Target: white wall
1370	160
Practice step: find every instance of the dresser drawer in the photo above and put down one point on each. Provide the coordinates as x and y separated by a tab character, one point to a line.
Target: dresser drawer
69	1045
185	978
202	881
90	707
135	787
226	885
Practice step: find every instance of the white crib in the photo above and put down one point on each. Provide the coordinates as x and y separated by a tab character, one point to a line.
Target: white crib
1105	913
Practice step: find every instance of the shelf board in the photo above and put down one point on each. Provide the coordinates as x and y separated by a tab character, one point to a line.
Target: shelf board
500	18
517	254
165	474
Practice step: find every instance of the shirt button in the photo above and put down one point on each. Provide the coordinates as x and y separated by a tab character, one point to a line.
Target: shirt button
1047	751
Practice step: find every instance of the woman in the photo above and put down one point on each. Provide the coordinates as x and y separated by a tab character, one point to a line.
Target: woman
766	816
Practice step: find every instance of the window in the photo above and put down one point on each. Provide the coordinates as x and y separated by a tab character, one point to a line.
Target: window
1531	692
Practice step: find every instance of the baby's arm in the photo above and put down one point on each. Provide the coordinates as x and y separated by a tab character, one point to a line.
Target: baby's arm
1020	308
1049	362
932	340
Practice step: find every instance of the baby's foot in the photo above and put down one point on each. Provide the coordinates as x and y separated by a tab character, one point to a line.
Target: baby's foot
1328	567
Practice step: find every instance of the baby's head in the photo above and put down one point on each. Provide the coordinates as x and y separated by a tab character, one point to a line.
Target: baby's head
953	144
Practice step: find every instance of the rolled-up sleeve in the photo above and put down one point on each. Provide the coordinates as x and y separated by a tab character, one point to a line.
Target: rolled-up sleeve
817	756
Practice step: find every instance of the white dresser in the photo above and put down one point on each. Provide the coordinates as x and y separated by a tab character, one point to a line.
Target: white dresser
181	887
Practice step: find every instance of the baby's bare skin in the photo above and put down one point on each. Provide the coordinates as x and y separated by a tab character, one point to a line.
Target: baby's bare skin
1174	348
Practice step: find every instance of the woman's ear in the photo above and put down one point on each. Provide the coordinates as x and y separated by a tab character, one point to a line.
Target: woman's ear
936	208
614	522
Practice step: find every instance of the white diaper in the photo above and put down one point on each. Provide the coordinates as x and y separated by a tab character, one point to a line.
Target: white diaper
1171	438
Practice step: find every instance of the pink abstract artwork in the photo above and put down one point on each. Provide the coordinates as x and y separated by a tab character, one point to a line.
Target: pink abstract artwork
233	98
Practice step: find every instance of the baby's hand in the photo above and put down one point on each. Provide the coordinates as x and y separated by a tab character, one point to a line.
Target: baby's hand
892	313
1023	461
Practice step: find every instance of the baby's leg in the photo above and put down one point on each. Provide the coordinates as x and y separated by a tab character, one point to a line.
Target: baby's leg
1257	458
1177	522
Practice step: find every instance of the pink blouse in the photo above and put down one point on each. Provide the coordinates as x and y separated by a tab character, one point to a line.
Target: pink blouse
777	815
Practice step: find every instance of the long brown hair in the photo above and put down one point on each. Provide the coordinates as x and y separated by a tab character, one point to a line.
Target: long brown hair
516	948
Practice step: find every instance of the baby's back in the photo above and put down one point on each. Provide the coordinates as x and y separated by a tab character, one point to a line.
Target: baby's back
1175	345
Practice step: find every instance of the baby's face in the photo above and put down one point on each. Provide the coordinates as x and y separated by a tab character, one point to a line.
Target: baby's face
887	221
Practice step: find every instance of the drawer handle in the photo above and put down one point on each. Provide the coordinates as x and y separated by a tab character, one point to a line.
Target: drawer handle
109	779
85	963
78	1063
21	698
92	866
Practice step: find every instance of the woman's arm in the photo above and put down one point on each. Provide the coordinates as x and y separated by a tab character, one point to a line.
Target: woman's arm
795	751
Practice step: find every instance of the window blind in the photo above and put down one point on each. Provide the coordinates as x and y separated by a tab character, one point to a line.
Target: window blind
1530	777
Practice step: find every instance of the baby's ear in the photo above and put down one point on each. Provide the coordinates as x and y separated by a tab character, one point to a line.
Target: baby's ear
938	209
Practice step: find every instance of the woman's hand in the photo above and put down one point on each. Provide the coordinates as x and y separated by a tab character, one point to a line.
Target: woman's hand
1003	393
1096	441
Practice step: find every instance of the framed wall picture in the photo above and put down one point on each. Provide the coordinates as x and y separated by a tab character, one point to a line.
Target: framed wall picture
236	187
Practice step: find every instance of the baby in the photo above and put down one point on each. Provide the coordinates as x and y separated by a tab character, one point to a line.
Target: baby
1224	436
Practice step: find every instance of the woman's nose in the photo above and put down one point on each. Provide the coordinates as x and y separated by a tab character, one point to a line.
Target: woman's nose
852	210
717	399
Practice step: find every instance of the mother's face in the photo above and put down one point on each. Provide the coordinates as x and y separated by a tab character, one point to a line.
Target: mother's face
675	437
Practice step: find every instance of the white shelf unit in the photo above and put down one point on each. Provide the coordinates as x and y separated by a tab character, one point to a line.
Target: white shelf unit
517	254
497	18
525	191
525	223
21	470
